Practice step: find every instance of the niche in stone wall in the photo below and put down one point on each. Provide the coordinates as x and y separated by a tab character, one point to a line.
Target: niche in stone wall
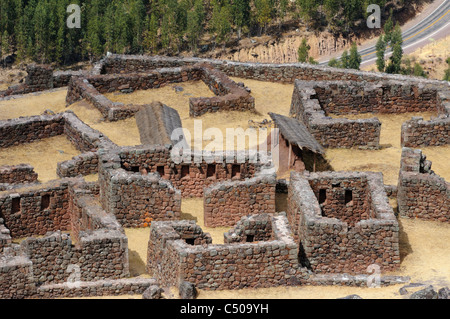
211	171
15	205
161	171
185	171
45	202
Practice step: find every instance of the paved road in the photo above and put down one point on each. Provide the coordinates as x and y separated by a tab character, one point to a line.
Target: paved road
437	24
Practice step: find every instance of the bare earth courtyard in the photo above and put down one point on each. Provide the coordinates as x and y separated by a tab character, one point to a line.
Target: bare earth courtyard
158	211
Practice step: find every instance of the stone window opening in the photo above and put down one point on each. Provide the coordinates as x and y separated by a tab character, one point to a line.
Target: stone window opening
135	169
190	241
250	238
348	198
15	205
211	171
45	202
185	171
161	171
236	171
322	196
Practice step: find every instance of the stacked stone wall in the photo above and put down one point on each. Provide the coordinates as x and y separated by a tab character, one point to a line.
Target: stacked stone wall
421	193
225	203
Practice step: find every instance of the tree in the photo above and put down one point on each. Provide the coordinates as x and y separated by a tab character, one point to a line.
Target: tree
381	50
447	72
354	60
264	12
5	43
395	60
388	27
241	13
303	51
195	19
334	63
345	60
221	21
151	34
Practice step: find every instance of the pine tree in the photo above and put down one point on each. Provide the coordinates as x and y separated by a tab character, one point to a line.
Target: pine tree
334	63
195	19
5	43
447	72
395	60
303	51
151	34
345	60
263	14
388	28
354	61
381	49
241	13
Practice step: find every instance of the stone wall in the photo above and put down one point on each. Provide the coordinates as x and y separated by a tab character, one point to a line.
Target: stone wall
261	264
250	228
270	72
83	164
36	210
421	193
192	171
387	96
96	248
29	129
39	78
135	199
329	132
5	236
226	202
17	174
108	287
331	245
230	96
16	275
420	133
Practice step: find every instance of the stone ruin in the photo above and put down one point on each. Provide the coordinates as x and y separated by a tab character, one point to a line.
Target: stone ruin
336	225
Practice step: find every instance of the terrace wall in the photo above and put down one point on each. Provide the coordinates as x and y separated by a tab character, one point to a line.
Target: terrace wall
421	193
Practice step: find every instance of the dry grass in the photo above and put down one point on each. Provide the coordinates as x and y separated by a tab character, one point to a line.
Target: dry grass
266	95
424	245
387	159
57	149
33	104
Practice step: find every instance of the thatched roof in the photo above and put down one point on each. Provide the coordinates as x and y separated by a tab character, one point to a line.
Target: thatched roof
295	132
156	122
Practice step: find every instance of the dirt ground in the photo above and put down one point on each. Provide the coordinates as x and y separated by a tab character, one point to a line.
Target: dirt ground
57	149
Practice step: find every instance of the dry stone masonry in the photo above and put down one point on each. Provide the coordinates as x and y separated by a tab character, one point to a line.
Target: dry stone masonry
421	193
336	225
